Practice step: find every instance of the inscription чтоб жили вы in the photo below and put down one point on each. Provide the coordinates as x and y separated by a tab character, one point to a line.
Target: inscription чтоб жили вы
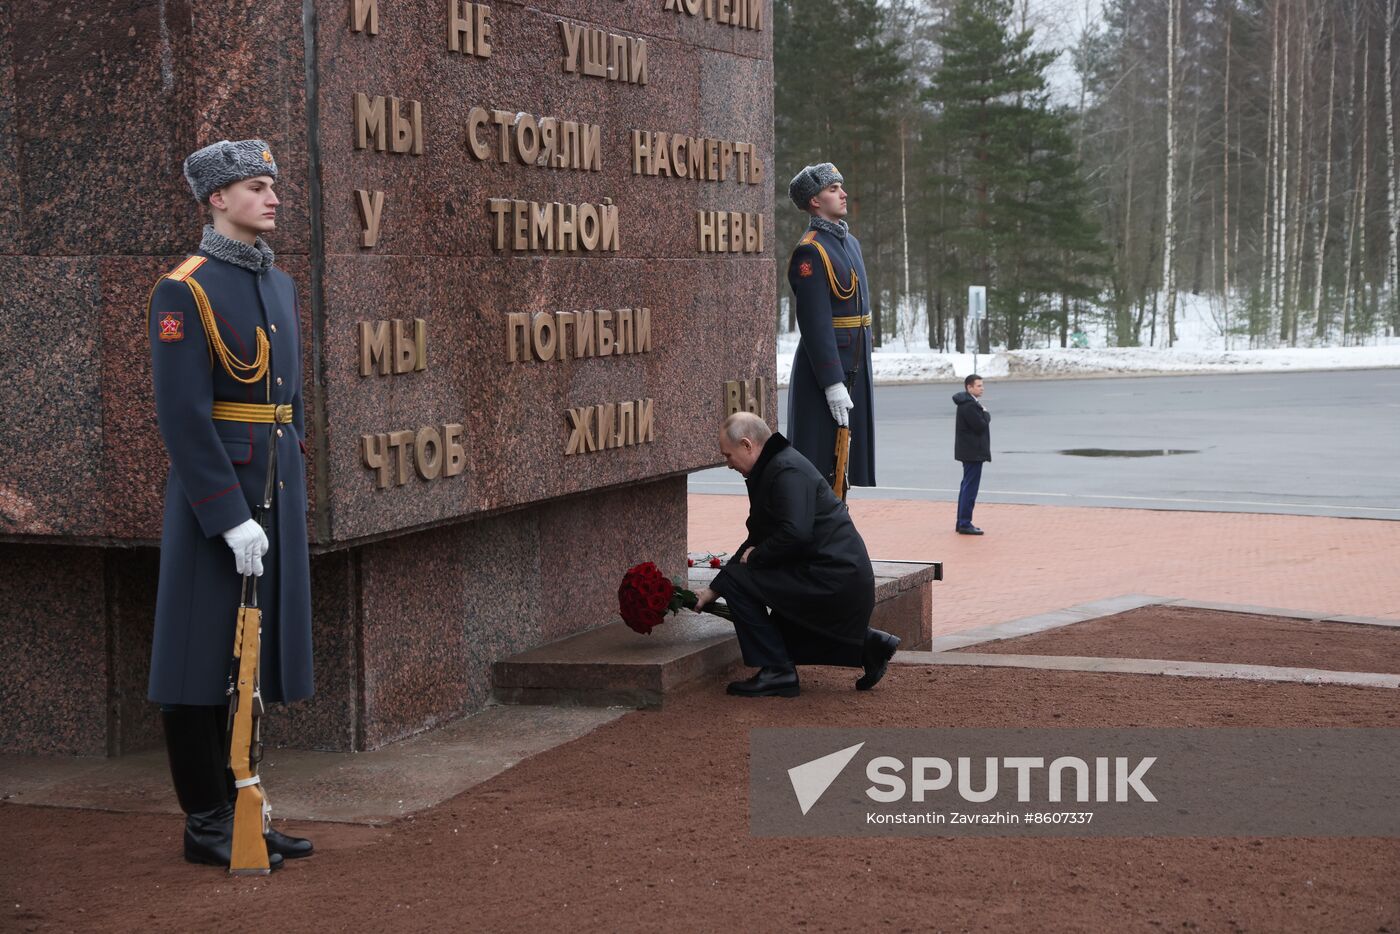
432	452
396	345
543	141
611	425
730	231
553	227
598	53
600	333
746	395
676	155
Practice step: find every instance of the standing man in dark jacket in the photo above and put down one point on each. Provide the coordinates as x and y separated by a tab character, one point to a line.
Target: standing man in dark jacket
226	363
972	444
831	383
803	558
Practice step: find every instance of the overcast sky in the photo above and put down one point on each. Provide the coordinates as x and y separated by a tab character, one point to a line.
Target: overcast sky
1058	24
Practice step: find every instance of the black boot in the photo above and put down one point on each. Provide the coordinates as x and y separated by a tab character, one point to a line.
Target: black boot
278	843
771	681
879	649
198	762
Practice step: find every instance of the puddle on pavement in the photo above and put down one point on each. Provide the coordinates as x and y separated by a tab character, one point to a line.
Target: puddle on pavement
1119	452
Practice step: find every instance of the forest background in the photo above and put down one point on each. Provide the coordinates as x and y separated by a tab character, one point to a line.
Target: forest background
1099	164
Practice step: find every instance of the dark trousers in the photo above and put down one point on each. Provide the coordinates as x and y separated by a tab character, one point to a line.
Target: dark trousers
967	493
760	637
771	640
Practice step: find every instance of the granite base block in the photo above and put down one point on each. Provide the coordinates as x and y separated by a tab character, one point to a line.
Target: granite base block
405	630
614	666
54	664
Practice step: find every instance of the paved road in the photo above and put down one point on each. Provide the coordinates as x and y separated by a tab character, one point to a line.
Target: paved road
1324	443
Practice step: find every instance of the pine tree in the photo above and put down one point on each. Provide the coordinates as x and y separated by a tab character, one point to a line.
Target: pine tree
840	82
1015	209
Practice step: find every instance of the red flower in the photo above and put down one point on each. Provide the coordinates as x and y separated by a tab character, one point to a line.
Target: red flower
690	562
646	595
714	562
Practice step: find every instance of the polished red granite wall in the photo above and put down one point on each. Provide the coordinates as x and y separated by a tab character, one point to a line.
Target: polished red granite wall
418	587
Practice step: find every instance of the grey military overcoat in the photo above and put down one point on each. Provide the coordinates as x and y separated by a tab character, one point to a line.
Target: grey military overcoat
217	474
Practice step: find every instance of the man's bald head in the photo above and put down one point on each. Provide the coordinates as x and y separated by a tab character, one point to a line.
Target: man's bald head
743	425
741	440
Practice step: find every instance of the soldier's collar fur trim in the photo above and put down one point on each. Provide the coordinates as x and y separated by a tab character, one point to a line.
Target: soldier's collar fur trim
837	229
256	258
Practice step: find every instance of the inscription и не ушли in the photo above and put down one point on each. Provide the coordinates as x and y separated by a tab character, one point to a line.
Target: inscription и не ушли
430	452
380	124
730	231
543	141
676	155
395	345
602	54
553	227
600	333
468	24
746	395
611	425
745	14
469	28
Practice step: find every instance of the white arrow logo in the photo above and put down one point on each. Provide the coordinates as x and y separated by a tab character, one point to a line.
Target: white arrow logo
810	780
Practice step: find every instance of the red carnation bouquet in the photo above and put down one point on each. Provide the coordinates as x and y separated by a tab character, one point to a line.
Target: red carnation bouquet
646	596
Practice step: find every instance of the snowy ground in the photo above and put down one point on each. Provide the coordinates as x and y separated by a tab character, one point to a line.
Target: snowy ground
1200	348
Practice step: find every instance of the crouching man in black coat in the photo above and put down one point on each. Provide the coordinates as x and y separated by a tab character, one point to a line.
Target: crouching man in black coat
803	560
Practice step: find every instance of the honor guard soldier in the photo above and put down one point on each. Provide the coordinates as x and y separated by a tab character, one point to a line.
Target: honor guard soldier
831	384
226	362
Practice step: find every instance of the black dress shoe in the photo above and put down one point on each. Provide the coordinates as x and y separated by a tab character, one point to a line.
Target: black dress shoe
969	530
287	847
209	838
769	682
879	649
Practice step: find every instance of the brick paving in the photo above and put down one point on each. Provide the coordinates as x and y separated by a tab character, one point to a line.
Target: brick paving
1035	559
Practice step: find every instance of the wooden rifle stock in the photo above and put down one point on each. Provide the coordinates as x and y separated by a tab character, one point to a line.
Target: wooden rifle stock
250	809
839	484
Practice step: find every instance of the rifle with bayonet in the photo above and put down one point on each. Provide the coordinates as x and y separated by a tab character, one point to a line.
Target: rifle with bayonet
252	812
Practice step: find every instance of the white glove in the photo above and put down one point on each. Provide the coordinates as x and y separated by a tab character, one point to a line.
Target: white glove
249	544
839	400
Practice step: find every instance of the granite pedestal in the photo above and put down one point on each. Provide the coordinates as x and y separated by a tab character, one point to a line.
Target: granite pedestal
422	577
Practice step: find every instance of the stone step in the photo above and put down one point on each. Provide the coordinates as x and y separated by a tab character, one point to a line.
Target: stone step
614	666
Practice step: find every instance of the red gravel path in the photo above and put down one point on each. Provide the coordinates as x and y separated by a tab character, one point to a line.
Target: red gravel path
642	826
1194	635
